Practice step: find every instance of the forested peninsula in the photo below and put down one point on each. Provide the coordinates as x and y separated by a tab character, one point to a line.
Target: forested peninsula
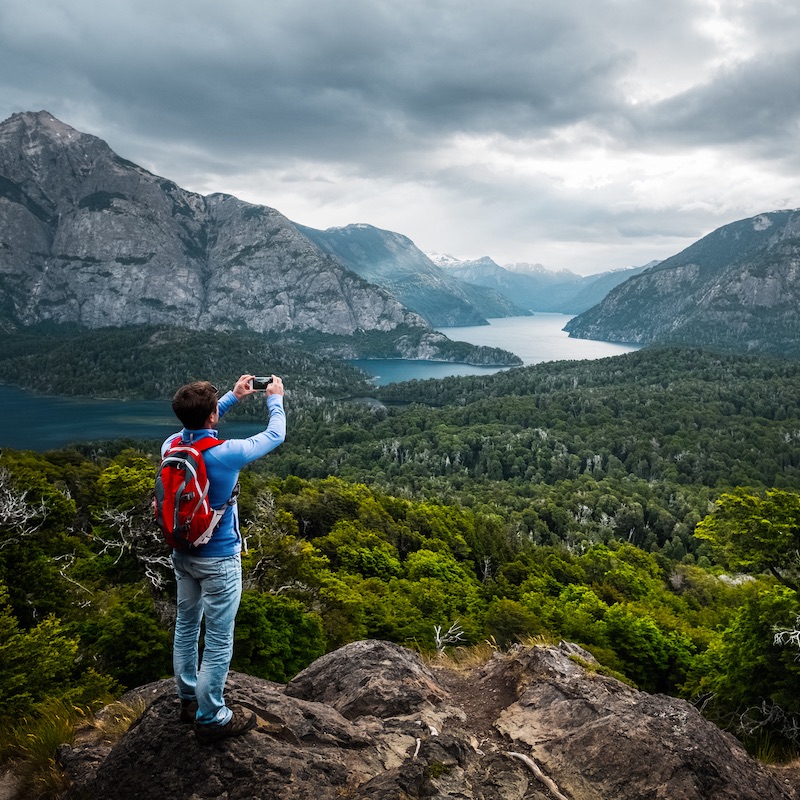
645	507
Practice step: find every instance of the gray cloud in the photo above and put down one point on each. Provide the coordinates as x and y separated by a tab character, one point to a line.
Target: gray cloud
749	105
305	76
332	98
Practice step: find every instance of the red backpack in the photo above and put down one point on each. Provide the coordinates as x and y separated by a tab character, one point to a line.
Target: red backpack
180	503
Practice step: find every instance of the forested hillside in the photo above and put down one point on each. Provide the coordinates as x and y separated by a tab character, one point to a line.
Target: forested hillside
556	501
656	432
150	362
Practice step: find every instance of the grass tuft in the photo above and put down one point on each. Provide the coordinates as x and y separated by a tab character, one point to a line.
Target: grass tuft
463	656
31	746
113	721
600	669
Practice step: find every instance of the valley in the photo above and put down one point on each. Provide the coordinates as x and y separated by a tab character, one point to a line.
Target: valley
634	489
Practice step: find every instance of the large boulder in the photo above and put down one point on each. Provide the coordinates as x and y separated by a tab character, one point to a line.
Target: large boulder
598	738
369	679
371	720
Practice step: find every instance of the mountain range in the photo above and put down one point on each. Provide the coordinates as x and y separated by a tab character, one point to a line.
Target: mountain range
737	288
535	288
90	238
394	262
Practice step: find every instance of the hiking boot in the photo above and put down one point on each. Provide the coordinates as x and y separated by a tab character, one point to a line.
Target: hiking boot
188	710
242	721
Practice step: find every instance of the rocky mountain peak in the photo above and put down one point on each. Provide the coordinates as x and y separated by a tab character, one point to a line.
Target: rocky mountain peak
371	720
35	145
736	288
485	261
444	260
39	125
90	238
526	267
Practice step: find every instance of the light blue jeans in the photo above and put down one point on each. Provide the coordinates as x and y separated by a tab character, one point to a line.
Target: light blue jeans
209	588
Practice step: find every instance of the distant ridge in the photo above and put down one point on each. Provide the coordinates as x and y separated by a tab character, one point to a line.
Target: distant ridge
538	289
394	262
736	288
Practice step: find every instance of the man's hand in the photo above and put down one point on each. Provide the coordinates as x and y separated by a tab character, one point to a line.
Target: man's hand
276	387
244	387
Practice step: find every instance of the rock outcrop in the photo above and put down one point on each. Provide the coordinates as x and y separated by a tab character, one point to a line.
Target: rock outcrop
371	720
87	237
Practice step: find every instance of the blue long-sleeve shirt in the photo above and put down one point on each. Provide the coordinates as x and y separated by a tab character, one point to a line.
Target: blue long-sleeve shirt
223	464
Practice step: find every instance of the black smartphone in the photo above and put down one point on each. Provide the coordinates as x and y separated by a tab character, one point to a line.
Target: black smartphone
261	383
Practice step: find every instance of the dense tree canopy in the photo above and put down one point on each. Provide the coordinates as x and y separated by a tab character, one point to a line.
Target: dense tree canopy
559	501
757	533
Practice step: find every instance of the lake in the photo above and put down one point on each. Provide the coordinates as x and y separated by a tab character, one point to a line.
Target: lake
41	422
534	339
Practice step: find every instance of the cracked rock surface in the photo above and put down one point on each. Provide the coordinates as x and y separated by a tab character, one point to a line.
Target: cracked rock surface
371	720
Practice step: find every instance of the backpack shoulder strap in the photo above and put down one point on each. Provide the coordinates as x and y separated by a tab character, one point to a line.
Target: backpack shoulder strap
206	443
201	445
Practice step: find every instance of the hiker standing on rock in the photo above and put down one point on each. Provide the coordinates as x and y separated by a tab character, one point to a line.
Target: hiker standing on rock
207	544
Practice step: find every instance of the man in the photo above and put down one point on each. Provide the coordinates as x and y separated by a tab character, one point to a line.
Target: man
209	576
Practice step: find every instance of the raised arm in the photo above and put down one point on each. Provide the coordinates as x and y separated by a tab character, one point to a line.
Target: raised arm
238	452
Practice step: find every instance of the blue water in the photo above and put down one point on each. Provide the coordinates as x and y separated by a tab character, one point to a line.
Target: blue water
394	370
41	422
537	339
534	339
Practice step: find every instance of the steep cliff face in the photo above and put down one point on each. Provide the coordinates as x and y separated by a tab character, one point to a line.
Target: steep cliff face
738	287
90	238
394	262
372	721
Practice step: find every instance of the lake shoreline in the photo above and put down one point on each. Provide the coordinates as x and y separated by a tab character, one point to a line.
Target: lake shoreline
534	339
40	422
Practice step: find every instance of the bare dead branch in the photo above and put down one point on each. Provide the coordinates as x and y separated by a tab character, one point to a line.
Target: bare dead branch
132	532
769	716
454	634
68	560
540	776
18	518
790	637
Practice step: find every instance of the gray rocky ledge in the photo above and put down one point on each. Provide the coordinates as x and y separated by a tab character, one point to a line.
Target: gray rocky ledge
372	720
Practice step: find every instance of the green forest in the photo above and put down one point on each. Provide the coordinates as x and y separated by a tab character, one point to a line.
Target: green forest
646	507
150	361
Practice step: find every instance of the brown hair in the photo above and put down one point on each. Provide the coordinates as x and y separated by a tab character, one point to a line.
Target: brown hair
194	403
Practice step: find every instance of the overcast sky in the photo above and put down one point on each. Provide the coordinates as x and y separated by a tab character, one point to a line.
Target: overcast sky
581	134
